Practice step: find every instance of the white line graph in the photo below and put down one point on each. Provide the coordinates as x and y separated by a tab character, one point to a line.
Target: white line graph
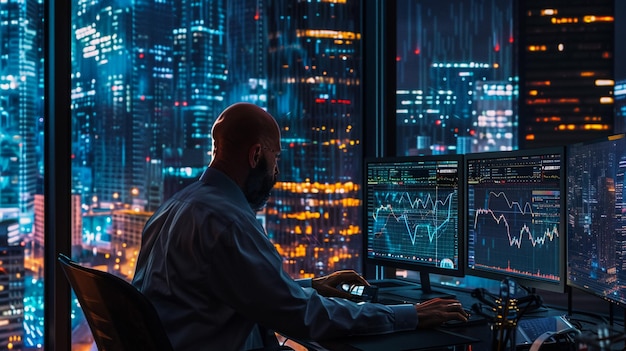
417	214
549	233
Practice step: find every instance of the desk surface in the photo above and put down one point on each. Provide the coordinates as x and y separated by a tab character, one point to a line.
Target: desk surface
476	335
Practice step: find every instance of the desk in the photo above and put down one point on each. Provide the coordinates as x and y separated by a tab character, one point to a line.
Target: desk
459	337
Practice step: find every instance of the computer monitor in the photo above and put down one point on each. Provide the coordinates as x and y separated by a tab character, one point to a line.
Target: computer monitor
413	215
597	218
514	222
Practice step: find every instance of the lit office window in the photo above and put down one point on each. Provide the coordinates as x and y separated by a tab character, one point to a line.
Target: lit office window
144	98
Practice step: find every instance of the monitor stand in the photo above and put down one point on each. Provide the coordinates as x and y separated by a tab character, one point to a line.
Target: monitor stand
426	290
423	293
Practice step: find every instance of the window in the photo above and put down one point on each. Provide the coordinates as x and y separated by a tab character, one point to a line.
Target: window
144	98
456	77
456	82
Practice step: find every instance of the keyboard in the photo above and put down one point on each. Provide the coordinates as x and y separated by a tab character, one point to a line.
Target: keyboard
474	319
533	328
410	295
416	296
529	329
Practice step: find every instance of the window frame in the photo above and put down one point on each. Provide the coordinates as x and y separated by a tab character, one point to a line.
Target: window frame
379	72
379	94
57	187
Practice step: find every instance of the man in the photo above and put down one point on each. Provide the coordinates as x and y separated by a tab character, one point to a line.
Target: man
215	278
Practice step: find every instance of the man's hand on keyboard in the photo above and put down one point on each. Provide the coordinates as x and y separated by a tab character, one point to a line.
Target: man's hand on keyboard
435	312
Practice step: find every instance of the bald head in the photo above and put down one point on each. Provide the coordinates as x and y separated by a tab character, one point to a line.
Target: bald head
246	147
242	125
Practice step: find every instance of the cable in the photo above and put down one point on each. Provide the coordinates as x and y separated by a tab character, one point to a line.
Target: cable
568	335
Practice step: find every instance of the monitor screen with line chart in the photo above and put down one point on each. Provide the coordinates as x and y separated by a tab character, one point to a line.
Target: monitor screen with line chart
413	214
514	218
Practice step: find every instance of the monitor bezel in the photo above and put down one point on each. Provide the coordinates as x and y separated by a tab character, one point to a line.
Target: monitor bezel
526	281
423	269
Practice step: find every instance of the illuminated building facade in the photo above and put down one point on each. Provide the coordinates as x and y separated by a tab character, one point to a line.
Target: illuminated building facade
121	78
9	157
126	230
315	94
620	219
495	121
200	71
20	107
102	69
445	49
11	287
151	99
461	111
247	52
566	71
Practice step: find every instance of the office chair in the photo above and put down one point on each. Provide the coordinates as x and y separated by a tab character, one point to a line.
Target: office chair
120	316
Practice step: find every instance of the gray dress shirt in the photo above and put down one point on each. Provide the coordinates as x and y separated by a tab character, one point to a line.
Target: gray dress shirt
213	276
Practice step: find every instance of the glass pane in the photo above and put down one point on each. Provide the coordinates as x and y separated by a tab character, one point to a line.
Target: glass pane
456	79
21	174
144	98
457	85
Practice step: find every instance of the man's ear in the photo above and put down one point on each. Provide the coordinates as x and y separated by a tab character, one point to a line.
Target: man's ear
254	155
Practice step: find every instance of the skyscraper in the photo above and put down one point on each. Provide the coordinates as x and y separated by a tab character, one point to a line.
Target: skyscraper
247	52
495	124
151	97
200	73
11	286
315	94
20	108
102	97
445	51
121	97
566	71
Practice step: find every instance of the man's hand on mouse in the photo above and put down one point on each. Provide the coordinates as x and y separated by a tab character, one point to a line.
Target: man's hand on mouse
327	285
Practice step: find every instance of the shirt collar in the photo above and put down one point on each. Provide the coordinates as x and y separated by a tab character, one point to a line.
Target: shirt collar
217	178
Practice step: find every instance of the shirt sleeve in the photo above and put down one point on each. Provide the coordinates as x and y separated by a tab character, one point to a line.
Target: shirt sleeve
406	316
255	284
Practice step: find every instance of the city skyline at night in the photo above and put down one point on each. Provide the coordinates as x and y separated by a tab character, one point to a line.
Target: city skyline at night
459	58
149	78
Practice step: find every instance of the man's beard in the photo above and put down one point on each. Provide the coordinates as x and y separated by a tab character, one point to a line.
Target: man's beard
258	185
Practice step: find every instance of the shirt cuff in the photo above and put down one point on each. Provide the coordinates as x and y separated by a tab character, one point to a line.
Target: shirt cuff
305	282
405	317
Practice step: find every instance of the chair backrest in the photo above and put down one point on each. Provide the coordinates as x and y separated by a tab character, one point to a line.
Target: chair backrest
120	316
